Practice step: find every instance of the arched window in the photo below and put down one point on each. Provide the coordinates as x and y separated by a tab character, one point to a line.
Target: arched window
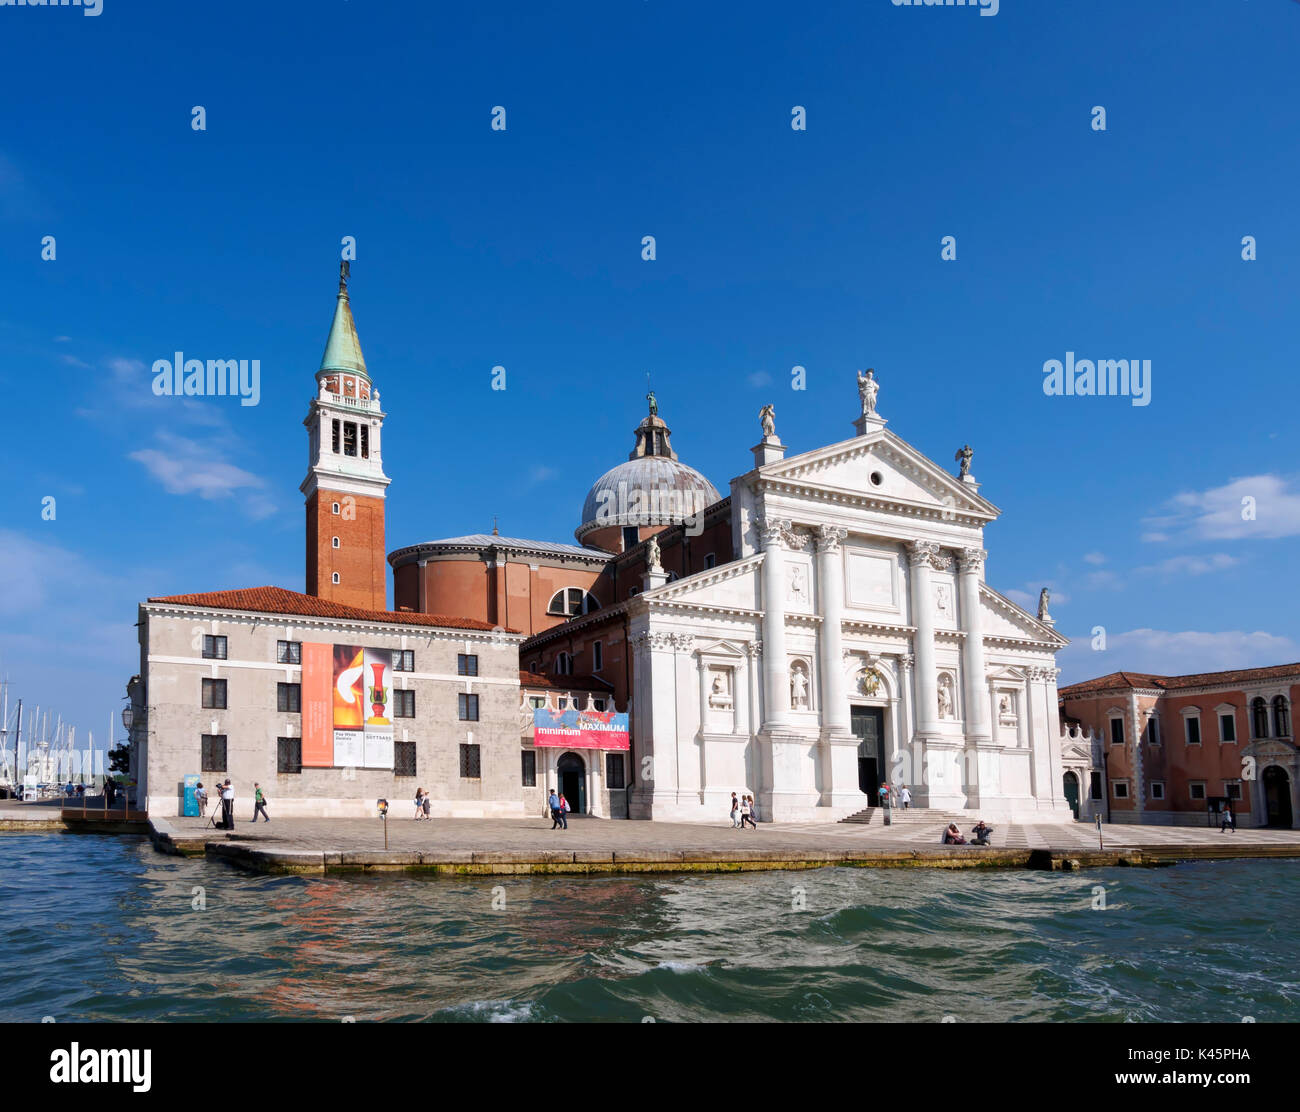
1281	716
1259	717
572	601
563	664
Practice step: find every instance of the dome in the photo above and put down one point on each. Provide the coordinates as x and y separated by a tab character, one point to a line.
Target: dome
652	488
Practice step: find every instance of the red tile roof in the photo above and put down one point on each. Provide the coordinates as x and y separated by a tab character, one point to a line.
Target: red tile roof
277	600
563	683
1173	683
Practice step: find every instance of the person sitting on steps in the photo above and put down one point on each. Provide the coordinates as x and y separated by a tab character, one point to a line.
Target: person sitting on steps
982	831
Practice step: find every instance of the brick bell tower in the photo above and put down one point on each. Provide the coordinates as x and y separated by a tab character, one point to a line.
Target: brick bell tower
345	480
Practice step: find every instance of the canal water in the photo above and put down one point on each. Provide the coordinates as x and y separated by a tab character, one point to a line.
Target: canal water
102	928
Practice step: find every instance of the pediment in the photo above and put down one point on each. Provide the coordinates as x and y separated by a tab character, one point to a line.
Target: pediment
1000	617
882	468
733	586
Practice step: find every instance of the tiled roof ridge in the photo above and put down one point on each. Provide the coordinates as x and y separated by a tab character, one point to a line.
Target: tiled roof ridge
1176	683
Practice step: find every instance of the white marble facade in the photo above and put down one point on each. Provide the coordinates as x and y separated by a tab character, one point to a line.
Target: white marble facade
857	589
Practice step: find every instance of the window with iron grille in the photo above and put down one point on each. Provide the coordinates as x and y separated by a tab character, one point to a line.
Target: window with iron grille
403	758
365	441
335	437
528	759
213	754
404	660
469	768
214	694
288	652
288	755
403	704
1232	789
214	648
349	438
466	664
288	698
614	770
468	706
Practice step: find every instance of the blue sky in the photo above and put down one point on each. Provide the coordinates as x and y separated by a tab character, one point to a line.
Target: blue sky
775	248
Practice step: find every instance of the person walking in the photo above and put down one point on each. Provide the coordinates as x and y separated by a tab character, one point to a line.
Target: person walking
735	811
564	812
747	812
753	812
884	793
419	804
905	797
259	803
1229	819
227	806
557	816
427	807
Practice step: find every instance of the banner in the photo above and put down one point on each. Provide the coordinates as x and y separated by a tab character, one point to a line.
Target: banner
580	729
317	711
362	702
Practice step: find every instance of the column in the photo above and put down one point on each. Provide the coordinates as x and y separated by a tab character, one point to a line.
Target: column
776	681
922	556
970	562
830	586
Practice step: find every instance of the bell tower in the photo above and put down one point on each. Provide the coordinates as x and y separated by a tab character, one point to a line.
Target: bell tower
345	480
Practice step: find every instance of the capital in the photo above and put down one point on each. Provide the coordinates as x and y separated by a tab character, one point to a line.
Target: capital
971	559
828	537
926	554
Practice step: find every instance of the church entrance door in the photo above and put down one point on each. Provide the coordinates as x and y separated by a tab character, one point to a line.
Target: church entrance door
571	771
1277	797
868	724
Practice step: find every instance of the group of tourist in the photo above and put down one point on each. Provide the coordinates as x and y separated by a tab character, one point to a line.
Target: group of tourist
226	795
891	796
558	806
743	811
422	804
980	834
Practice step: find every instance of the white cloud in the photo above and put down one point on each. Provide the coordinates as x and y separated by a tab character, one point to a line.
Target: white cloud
1173	653
1192	565
759	378
185	466
1257	507
1094	558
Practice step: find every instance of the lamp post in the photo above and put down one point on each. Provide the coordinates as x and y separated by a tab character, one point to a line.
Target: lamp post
128	720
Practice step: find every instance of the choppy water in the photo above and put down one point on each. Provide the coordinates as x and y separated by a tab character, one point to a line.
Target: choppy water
99	928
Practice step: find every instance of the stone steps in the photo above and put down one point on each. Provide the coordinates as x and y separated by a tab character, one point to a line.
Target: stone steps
913	816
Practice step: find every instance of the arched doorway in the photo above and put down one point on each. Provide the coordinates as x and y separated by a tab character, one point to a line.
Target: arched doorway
1071	786
1277	797
571	771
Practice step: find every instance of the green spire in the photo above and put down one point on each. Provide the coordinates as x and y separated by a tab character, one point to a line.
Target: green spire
343	348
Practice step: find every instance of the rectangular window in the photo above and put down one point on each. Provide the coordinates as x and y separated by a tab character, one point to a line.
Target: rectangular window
468	707
213	755
599	704
214	648
1153	731
1094	786
288	652
597	656
404	660
466	664
1157	789
288	755
214	694
630	537
1232	789
1117	731
528	768
1197	790
1193	730
469	769
403	758
365	441
403	704
1227	727
537	701
288	698
349	438
614	770
1120	788
336	437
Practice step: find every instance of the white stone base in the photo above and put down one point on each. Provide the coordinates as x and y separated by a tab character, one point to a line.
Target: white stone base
167	806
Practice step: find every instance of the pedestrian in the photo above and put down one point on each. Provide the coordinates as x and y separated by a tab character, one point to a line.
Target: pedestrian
884	793
735	811
201	797
747	812
905	797
753	811
419	804
564	812
1229	819
227	806
426	806
259	803
557	816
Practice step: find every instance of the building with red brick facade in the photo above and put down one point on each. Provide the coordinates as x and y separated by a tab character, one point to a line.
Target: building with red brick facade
1172	748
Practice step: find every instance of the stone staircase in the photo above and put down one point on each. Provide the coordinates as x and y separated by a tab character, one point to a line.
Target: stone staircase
913	816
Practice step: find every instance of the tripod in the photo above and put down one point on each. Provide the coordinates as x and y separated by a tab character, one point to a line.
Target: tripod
216	810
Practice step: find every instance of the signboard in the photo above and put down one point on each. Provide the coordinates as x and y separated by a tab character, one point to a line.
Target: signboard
191	810
580	729
347	707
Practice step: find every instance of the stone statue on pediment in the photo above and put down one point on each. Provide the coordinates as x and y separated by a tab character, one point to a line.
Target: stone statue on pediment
767	416
868	388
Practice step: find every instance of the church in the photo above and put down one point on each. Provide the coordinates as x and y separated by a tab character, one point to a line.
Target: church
819	627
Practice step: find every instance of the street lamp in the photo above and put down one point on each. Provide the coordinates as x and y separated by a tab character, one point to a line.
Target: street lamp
128	716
